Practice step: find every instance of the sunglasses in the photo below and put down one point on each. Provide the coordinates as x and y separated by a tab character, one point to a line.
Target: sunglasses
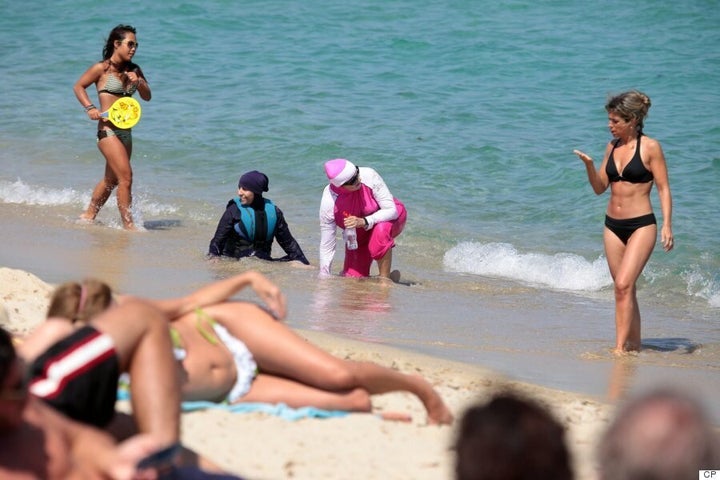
132	44
354	179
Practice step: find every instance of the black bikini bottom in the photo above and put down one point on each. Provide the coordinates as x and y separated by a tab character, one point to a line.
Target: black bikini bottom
625	227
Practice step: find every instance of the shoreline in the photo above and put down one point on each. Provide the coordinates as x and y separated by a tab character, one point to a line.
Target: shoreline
258	445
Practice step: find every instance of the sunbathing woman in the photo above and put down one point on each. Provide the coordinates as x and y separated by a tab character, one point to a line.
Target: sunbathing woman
240	352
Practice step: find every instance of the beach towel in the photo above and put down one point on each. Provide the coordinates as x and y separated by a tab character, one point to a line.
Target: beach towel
278	409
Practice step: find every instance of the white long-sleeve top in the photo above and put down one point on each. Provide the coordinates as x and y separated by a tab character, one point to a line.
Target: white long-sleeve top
328	228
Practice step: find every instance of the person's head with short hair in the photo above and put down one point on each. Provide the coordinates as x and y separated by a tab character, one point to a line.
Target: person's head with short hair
80	302
511	438
661	435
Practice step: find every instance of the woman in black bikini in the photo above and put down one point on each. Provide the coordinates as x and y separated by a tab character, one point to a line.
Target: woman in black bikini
629	168
115	76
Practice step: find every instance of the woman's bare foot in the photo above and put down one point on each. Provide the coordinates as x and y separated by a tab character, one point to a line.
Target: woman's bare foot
619	352
438	413
85	219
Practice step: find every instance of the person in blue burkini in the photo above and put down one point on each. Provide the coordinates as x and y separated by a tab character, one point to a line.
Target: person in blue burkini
251	222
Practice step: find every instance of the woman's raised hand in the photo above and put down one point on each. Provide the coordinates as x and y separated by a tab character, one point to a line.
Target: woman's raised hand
270	294
583	156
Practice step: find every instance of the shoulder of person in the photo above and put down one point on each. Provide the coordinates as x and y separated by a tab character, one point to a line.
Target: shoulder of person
328	192
610	145
99	68
232	210
369	175
650	142
651	147
59	327
121	298
373	179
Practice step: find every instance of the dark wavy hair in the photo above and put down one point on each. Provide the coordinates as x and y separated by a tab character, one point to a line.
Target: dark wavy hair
511	438
116	34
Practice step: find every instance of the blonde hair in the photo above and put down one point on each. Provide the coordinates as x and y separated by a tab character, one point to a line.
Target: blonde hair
632	105
80	302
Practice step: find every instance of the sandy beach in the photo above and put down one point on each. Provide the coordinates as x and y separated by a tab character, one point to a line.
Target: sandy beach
262	446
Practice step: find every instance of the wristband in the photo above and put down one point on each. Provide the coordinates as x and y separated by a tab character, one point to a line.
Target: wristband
90	107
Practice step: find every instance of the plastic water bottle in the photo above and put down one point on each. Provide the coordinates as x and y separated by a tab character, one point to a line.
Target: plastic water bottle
351	238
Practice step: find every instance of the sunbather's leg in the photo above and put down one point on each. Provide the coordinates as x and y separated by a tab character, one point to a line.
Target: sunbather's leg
281	352
272	389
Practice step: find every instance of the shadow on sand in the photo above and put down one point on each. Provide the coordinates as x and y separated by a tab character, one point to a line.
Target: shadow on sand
682	345
161	224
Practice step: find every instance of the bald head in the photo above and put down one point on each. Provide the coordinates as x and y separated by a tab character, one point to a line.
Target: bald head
660	436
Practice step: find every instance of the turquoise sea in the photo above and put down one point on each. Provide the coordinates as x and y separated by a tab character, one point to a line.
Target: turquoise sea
469	109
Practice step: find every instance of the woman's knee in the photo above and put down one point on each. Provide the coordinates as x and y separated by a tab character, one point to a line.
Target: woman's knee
125	180
381	242
339	378
624	287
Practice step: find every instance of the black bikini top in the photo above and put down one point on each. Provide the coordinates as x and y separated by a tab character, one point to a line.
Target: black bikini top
634	171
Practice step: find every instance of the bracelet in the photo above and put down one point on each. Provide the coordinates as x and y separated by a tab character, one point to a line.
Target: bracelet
90	107
366	222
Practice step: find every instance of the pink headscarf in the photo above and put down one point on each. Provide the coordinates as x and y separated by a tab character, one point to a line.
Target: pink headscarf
339	171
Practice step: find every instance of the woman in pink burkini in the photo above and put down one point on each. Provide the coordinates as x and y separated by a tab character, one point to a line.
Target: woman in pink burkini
358	197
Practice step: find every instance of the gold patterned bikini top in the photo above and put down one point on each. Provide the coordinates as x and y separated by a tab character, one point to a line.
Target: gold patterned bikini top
114	86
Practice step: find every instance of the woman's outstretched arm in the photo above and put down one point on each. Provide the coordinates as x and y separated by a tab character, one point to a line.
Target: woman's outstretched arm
223	290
